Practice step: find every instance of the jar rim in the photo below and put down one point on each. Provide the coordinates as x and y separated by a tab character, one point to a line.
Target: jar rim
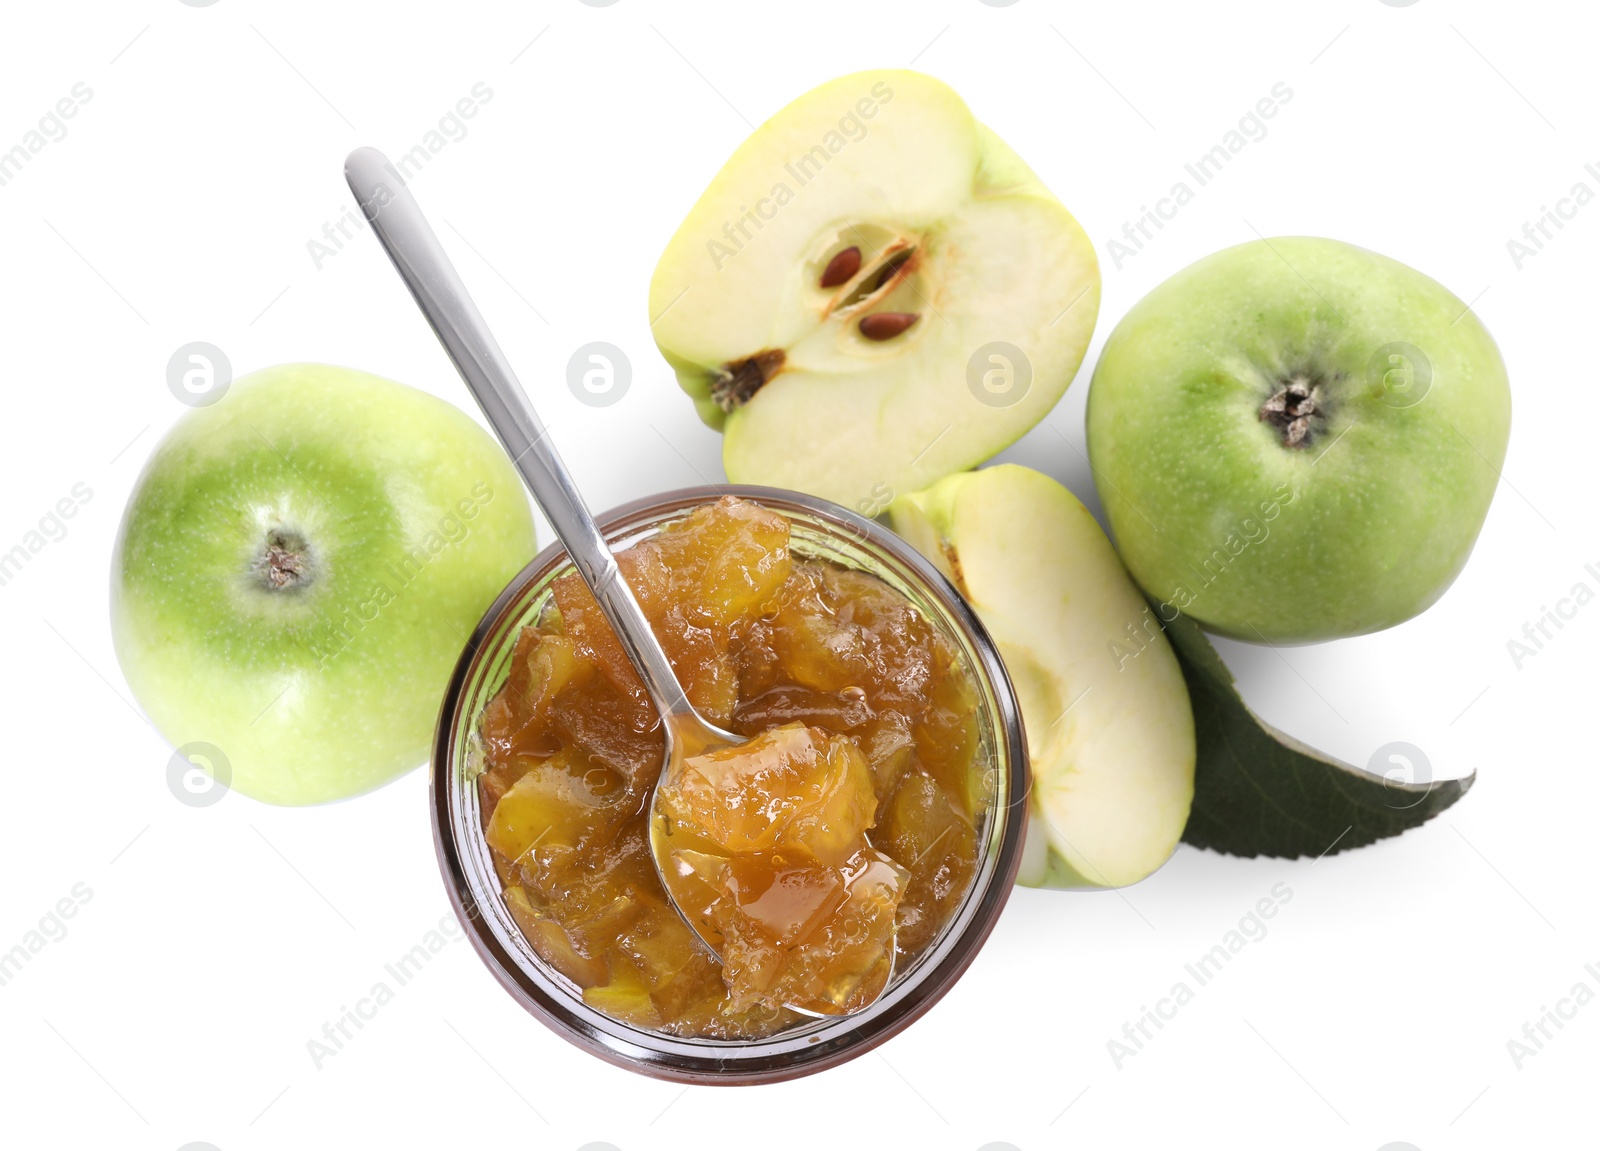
805	1048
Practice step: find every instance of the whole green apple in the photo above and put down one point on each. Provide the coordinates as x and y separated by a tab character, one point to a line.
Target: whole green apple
299	567
1297	439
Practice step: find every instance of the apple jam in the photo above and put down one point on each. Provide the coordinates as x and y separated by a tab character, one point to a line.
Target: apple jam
841	837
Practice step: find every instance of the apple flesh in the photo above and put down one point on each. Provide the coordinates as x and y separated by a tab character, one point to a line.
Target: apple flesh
1298	439
1110	732
299	567
874	292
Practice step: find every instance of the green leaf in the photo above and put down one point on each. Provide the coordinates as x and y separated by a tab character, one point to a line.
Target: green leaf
1258	791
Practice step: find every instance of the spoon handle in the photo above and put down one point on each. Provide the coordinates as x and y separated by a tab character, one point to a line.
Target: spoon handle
411	243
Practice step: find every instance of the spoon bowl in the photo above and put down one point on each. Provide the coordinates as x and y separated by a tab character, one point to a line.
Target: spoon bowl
681	886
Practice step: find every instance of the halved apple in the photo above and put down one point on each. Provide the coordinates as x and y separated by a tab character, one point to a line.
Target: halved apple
1110	731
873	293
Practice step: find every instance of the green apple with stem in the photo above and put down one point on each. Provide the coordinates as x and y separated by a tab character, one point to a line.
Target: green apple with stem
299	567
1110	733
874	292
1297	439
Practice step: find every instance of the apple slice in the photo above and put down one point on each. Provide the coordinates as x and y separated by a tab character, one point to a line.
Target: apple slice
1110	731
873	293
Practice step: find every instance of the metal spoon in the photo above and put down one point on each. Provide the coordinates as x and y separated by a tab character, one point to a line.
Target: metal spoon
406	236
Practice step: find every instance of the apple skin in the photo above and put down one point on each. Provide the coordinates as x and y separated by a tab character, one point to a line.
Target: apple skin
391	489
1368	521
1110	730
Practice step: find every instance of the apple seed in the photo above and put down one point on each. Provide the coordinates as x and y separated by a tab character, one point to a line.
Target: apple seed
898	262
886	325
842	267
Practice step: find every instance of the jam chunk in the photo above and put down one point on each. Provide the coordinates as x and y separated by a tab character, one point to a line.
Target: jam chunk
793	789
770	856
835	956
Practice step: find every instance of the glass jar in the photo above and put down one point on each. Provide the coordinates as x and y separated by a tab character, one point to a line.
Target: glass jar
821	530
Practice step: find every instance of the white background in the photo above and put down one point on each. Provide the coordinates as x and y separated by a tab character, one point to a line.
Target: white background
219	940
